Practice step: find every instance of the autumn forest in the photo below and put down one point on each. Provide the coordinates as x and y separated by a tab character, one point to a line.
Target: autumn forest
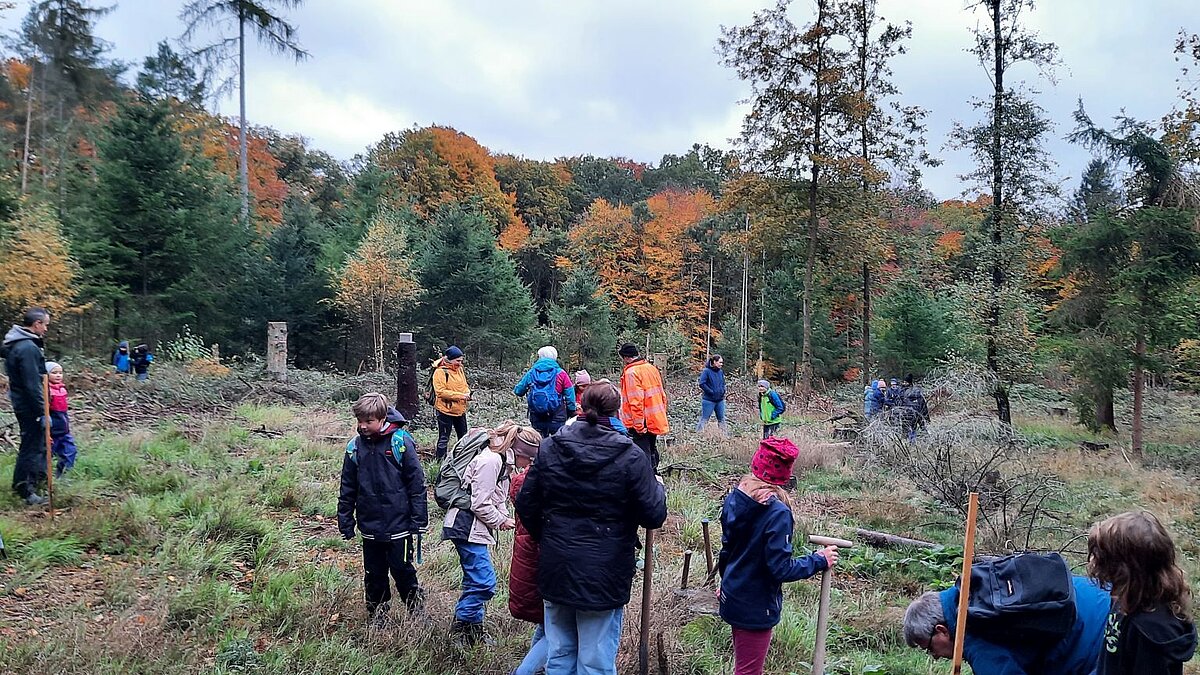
809	251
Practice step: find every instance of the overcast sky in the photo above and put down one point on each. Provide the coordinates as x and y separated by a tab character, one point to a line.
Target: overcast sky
548	78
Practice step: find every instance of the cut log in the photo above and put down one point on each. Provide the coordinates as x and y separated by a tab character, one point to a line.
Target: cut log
885	540
1092	446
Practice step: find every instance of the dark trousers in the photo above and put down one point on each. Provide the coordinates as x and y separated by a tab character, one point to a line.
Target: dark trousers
649	444
770	430
546	425
30	469
445	424
381	556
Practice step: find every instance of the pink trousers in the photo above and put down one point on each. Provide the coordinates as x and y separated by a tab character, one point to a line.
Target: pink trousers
750	651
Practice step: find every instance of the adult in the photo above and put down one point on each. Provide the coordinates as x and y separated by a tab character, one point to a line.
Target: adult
873	399
583	501
643	402
712	393
25	364
451	395
913	409
548	392
929	623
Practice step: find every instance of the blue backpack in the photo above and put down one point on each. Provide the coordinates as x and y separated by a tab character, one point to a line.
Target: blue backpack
393	454
544	398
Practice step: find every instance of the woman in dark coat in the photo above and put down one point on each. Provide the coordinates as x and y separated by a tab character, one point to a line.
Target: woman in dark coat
583	502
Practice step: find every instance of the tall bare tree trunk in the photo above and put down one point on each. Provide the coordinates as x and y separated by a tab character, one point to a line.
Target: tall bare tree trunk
243	164
1104	414
28	123
1003	408
804	386
1139	386
866	326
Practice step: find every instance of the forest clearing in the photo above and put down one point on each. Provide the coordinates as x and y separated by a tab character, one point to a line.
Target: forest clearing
197	533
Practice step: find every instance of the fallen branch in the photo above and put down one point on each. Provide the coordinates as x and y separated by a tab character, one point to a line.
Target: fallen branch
885	540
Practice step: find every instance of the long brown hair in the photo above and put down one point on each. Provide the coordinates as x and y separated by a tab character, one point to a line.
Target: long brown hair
1134	554
600	401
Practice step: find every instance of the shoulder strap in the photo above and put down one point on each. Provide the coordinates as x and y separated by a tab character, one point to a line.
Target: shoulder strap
352	449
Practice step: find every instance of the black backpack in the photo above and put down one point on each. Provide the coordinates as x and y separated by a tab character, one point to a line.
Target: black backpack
1028	597
430	392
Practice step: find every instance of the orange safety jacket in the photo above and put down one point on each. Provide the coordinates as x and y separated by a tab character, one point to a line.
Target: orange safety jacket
643	399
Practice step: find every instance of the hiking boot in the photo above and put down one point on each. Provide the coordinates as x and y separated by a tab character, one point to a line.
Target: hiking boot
34	499
415	602
379	615
467	635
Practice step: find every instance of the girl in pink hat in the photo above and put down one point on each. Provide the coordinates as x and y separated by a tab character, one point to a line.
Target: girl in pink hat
756	554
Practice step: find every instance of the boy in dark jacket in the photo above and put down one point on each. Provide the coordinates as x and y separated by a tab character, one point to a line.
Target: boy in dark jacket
142	358
25	365
383	486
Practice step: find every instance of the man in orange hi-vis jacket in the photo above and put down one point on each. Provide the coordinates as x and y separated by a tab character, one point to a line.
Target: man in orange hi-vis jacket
643	402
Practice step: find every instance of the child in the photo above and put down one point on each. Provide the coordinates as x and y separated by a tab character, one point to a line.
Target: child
383	493
756	554
120	358
473	530
142	358
524	599
770	407
60	423
1150	628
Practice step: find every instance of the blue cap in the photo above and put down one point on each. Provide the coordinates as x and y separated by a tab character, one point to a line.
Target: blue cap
453	352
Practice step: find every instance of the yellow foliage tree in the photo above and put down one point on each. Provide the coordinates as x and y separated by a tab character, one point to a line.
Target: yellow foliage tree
377	278
35	267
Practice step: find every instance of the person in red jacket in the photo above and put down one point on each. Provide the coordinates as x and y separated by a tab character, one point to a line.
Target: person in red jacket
524	600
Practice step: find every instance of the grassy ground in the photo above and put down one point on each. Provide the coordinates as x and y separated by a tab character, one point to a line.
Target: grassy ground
209	544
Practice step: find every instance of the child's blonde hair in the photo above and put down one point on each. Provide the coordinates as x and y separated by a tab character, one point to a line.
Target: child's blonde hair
754	486
370	406
1134	554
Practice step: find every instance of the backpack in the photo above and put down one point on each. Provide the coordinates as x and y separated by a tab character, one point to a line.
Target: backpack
394	454
544	398
1028	597
449	491
430	392
777	401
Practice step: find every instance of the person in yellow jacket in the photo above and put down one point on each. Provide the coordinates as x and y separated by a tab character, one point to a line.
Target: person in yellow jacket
643	402
451	397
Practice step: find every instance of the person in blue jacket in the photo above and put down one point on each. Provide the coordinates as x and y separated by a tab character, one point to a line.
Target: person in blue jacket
873	399
929	624
120	358
756	554
712	393
548	391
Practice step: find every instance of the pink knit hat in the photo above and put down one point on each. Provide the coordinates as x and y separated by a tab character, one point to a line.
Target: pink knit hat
773	460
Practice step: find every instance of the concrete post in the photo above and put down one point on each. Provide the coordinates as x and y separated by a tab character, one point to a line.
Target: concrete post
277	350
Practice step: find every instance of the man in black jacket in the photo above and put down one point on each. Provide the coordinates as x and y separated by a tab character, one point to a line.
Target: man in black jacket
384	486
25	364
583	501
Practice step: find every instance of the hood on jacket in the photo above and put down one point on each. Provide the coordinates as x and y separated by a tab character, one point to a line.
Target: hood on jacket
18	333
544	365
1175	638
742	511
123	344
587	450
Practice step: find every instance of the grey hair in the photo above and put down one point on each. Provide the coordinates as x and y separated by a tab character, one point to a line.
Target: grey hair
34	315
920	619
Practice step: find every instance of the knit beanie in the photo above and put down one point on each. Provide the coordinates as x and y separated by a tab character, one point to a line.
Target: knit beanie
453	352
51	366
764	384
548	352
628	350
526	445
773	460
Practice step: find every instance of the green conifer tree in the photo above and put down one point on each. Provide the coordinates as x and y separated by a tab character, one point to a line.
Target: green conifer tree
582	322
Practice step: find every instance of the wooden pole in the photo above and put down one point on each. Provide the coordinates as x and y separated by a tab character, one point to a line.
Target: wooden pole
49	442
708	558
964	590
647	578
708	332
823	606
687	568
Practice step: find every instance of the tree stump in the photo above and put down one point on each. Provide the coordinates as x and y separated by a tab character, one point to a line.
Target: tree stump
408	401
277	350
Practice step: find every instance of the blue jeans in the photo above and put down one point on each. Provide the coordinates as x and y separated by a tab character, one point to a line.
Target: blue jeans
707	409
581	642
536	658
478	584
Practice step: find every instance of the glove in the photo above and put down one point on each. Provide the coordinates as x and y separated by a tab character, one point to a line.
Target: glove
348	534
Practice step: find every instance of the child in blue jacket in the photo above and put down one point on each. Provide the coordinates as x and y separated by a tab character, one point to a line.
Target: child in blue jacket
756	554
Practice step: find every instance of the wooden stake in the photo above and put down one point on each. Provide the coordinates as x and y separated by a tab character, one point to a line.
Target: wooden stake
708	558
687	568
49	442
964	589
647	577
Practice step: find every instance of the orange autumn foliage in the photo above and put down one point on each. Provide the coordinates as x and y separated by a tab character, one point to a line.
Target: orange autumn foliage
649	267
35	267
217	140
435	166
949	244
